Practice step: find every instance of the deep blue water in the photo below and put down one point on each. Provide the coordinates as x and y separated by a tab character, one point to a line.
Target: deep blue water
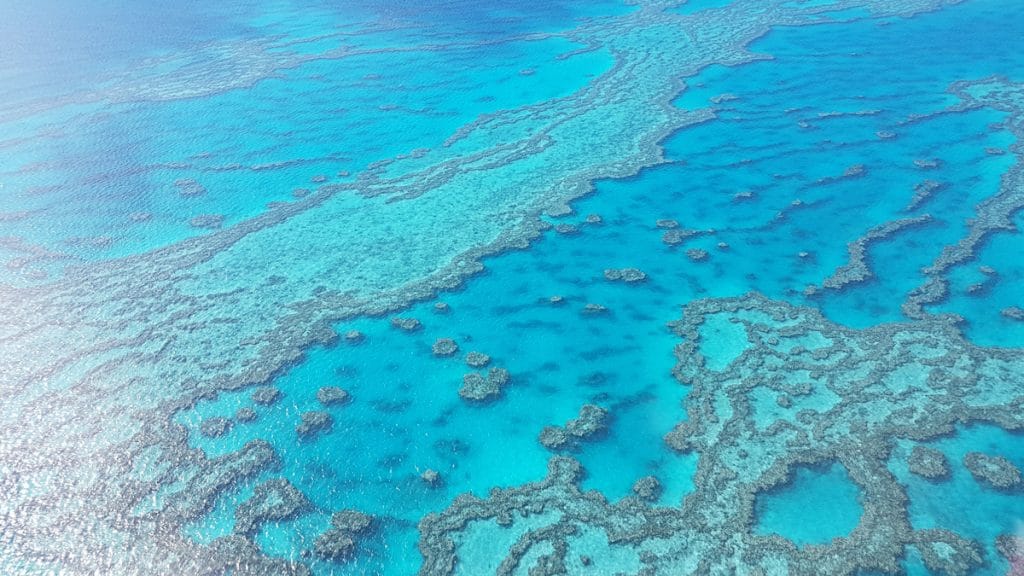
128	312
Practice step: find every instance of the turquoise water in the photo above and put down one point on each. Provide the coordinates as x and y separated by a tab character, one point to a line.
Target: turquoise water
813	508
959	500
254	201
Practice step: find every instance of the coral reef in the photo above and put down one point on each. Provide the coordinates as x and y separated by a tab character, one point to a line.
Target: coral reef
339	542
1013	313
154	332
215	476
215	427
266	395
1011	547
207	221
272	501
444	347
332	395
627	275
245	414
676	236
647	488
857	269
478	388
923	192
853	392
591	421
431	477
313	423
553	437
994	471
928	463
406	324
992	215
697	254
189	188
477	359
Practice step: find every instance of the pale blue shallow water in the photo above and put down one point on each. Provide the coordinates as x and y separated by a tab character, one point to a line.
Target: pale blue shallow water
258	114
815	507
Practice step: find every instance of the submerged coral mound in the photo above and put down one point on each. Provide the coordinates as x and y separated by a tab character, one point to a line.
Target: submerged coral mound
627	275
332	395
266	395
928	463
339	542
1012	548
272	501
215	427
852	392
647	488
313	423
591	421
995	471
406	324
477	359
431	477
477	388
189	188
245	414
444	347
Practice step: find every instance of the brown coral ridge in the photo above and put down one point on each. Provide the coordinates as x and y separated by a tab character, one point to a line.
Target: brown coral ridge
332	396
444	347
477	388
591	421
339	542
852	393
312	424
677	236
406	324
477	359
923	191
627	275
857	268
1012	548
272	501
215	427
928	463
993	471
1013	313
647	488
992	215
266	395
215	476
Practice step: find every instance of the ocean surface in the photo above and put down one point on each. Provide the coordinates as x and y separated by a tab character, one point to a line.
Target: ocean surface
469	287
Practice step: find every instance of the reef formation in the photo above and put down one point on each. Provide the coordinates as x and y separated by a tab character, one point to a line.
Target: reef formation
853	394
91	402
